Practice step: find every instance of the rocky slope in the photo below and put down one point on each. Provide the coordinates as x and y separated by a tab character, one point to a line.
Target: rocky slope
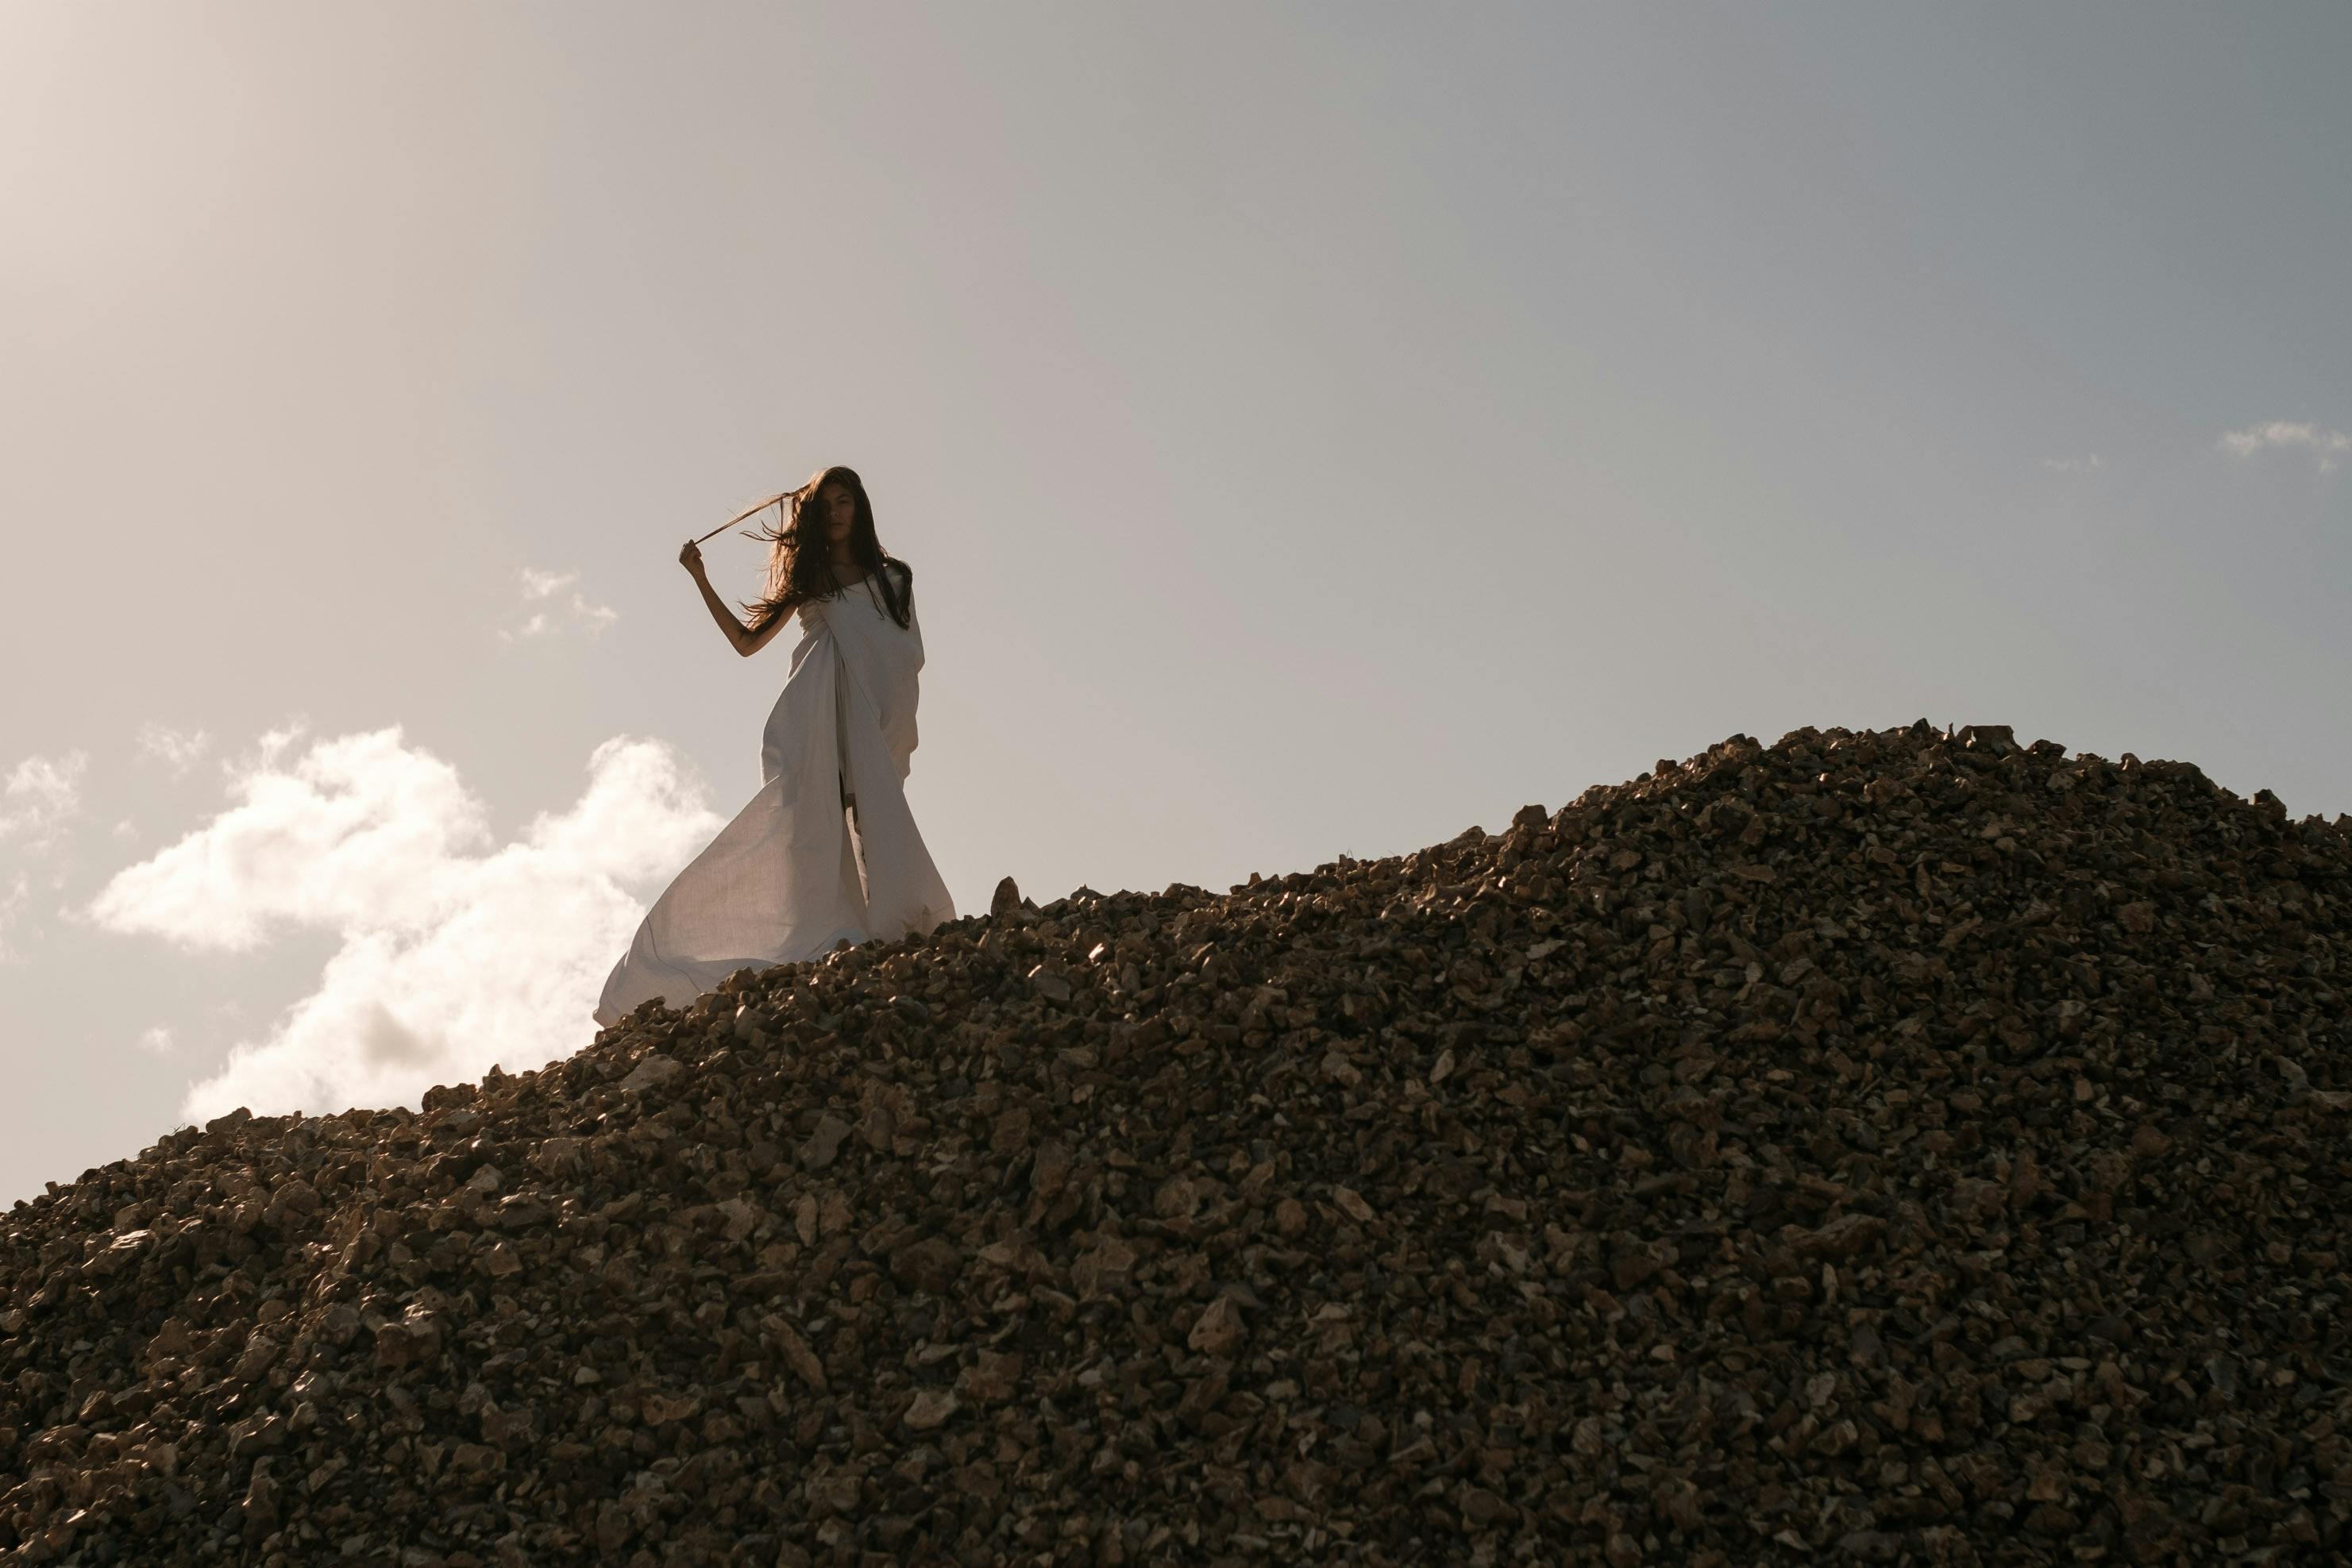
1897	1146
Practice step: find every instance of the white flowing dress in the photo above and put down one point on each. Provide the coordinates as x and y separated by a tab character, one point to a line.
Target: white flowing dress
784	881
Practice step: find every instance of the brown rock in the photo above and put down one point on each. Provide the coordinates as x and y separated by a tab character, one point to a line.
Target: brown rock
817	1151
1218	1330
930	1264
651	1073
930	1409
795	1352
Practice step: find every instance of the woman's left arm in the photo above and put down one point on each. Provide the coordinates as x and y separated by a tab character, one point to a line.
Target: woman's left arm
754	641
734	631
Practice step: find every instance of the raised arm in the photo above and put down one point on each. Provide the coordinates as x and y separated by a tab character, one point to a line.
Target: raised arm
754	641
737	634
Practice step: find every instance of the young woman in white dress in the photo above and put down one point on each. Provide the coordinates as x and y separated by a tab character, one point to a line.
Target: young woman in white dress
827	851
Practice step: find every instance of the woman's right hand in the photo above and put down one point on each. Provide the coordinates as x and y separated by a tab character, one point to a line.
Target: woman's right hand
690	558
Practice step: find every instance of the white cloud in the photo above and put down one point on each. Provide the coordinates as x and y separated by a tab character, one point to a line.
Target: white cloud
355	831
2090	465
157	1040
456	953
2329	445
538	586
178	748
39	795
12	905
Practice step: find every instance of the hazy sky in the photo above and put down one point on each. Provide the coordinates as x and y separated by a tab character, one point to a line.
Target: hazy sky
1315	429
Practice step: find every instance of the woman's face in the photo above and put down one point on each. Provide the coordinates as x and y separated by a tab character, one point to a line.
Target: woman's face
840	514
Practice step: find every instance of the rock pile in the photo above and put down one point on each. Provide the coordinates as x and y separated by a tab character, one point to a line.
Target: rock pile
1895	1146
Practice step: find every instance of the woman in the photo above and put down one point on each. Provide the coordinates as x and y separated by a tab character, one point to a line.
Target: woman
802	866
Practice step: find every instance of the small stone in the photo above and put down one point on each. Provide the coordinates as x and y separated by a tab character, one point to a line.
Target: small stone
931	1264
817	1151
653	1071
991	1378
930	1408
795	1352
1218	1330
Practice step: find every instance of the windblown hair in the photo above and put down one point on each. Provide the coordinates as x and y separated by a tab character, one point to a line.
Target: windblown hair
800	559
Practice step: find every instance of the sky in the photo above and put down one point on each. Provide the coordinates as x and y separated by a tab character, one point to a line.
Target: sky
1316	429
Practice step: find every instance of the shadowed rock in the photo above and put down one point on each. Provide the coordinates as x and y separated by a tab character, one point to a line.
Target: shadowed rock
1905	1145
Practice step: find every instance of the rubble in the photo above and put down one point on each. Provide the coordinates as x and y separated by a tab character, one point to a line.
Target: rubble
1896	1146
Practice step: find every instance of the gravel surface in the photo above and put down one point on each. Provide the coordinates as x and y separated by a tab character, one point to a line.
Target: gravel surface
1895	1147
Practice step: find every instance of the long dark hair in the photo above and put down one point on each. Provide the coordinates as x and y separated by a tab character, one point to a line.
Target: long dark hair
799	566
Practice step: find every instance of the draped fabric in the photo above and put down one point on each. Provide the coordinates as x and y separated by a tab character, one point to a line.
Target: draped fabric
792	875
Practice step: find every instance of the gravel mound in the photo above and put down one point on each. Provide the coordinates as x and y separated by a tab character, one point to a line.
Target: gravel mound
1893	1146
